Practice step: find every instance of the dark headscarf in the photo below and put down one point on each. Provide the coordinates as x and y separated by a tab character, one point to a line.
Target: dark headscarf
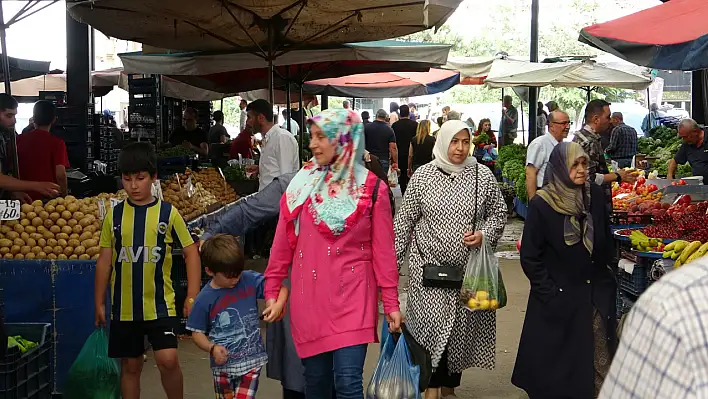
568	198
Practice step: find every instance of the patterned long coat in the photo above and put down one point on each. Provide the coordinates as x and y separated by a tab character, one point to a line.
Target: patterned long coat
437	210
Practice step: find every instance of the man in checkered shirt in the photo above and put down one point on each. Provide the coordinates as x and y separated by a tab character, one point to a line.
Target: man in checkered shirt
623	141
663	352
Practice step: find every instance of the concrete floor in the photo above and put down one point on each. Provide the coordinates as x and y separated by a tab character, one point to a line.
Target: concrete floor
478	384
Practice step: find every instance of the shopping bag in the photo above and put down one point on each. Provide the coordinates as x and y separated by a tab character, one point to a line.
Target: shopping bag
395	376
482	286
392	177
94	375
419	355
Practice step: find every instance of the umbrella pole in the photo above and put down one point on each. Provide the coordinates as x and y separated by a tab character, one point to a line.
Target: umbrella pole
303	129
8	88
523	129
271	51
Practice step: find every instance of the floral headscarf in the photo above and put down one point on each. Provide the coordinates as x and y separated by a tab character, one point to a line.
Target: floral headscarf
338	193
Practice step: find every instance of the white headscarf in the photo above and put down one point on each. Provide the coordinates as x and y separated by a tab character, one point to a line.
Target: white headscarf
448	130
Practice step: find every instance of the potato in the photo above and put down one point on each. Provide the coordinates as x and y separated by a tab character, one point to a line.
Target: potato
37	221
42	255
93	251
62	242
79	215
73	257
8	256
35	236
5	243
68	251
25	222
72	207
67	230
62	257
84	257
54	216
31	242
42	242
79	250
62	236
25	249
94	257
74	243
61	222
36	203
19	256
26	208
36	250
30	256
91	228
41	229
24	235
48	234
72	222
69	199
31	215
12	223
18	241
58	250
30	229
89	243
60	203
38	209
53	202
48	223
55	229
4	250
52	257
77	229
4	229
19	228
66	215
15	249
52	242
49	208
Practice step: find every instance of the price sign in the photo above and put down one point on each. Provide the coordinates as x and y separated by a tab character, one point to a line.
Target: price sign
101	209
157	190
223	177
190	187
114	202
9	210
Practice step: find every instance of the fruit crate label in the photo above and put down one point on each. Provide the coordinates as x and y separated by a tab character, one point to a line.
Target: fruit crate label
9	209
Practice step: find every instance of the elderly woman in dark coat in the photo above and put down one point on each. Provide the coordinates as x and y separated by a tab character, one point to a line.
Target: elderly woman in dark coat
568	338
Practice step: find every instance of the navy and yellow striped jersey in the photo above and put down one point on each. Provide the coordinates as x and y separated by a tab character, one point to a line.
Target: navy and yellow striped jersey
142	238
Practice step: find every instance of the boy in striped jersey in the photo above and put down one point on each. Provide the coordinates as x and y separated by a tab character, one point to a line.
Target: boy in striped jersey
137	238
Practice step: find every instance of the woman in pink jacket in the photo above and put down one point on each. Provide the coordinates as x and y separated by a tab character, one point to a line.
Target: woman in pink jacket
335	237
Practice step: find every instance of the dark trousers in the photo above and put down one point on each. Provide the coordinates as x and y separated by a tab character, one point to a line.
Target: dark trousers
442	378
403	179
623	162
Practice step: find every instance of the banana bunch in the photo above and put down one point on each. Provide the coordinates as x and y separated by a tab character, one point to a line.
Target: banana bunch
684	252
643	243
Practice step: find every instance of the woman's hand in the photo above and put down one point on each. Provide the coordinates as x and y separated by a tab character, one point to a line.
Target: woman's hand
473	239
394	321
273	311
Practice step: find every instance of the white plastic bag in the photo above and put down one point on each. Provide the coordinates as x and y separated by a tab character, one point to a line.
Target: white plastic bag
392	177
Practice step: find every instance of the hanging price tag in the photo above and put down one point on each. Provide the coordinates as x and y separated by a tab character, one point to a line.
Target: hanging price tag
226	185
101	209
157	190
9	210
190	187
114	202
178	183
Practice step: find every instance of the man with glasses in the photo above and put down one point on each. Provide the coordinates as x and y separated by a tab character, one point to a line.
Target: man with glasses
539	151
693	150
190	135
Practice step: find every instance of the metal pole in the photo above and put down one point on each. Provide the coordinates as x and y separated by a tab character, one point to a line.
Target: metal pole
8	89
533	91
222	105
523	129
324	104
303	128
271	52
287	101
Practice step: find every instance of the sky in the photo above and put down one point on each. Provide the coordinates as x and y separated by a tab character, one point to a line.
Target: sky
42	36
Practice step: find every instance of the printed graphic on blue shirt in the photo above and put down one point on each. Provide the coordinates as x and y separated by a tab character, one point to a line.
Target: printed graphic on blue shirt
229	317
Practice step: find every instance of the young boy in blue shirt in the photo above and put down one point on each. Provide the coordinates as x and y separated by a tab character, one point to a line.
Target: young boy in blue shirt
225	318
137	238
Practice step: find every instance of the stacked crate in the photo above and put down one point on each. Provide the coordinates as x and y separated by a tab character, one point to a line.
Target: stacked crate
145	108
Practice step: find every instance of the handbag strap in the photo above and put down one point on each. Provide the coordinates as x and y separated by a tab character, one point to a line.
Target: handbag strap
474	221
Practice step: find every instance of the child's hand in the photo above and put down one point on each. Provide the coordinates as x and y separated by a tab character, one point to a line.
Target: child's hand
220	355
273	311
100	319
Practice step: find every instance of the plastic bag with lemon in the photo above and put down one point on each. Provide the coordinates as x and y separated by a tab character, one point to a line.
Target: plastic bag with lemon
483	287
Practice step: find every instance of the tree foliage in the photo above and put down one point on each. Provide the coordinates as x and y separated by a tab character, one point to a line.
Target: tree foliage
504	26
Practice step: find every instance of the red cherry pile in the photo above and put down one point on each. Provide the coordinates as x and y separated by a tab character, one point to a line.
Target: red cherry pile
682	220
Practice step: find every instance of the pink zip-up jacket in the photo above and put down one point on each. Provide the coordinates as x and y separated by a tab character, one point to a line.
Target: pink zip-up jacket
335	280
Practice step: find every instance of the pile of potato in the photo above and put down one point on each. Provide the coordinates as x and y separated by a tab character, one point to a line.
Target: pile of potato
178	198
208	188
212	181
62	229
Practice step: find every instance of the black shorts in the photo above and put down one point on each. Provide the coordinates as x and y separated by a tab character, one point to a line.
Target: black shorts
126	339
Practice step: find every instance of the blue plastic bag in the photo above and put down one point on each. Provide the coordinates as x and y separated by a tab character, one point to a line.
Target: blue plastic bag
395	376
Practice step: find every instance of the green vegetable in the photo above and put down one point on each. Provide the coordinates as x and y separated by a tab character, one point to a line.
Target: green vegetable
513	170
510	152
520	188
483	138
236	173
176	151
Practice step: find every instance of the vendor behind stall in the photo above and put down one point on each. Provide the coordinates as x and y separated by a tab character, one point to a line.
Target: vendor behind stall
190	135
43	157
694	150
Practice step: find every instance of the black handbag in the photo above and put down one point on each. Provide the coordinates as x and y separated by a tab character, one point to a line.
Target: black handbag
445	276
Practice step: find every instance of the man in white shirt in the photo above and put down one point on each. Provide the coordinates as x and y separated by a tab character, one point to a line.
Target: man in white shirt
242	125
279	152
294	126
539	151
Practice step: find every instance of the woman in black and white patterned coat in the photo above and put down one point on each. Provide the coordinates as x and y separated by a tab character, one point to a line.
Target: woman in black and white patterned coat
449	205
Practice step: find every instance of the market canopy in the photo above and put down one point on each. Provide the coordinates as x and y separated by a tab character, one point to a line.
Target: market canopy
585	73
237	71
386	84
473	70
22	69
670	36
266	27
280	98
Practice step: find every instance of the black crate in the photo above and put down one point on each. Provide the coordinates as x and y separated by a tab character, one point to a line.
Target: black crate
623	218
635	283
27	376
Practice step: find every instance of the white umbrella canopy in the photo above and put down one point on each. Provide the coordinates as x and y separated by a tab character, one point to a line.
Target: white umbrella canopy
586	73
265	26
